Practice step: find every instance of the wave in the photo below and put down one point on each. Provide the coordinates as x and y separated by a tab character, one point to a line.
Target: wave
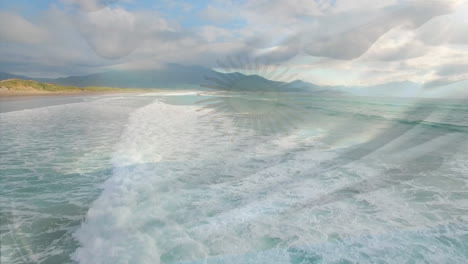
407	120
157	145
183	192
173	173
174	93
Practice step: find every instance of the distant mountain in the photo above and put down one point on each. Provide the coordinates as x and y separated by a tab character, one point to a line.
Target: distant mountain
174	76
6	76
248	83
307	86
395	89
457	89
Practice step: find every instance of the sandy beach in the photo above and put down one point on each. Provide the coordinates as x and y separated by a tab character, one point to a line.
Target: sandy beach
21	100
4	93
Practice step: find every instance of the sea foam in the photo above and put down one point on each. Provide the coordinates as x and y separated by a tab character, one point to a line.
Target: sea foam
182	191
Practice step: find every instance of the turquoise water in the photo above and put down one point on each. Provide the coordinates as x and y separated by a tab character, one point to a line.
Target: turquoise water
234	178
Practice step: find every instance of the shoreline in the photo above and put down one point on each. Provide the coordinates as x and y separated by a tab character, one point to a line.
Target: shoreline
26	100
23	96
5	94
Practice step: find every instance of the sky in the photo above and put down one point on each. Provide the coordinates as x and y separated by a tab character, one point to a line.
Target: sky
327	42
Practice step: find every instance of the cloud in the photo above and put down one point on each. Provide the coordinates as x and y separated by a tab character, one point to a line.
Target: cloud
343	42
212	34
61	51
343	30
111	37
91	5
452	69
114	32
350	41
396	45
446	30
23	31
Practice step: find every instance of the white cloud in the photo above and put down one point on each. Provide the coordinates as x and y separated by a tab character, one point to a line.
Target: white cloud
115	32
92	5
445	30
349	42
212	33
16	29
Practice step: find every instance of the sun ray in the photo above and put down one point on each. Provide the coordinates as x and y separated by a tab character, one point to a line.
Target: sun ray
253	109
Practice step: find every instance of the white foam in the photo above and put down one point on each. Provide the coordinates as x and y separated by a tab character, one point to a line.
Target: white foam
182	192
153	188
174	93
115	225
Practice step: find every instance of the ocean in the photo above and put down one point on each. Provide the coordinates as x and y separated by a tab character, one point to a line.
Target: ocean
202	177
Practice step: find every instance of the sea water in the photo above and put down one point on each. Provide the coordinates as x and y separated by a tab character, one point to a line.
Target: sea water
235	178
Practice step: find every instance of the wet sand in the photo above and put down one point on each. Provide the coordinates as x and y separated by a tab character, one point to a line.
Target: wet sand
22	102
10	93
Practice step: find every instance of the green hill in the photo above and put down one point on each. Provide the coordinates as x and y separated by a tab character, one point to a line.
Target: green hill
17	86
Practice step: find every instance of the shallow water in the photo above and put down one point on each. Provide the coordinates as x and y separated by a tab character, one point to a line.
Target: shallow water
236	178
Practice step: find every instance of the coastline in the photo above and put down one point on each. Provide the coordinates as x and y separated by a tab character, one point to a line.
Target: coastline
24	101
10	93
19	87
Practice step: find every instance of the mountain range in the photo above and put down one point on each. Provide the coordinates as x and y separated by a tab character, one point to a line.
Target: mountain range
174	76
